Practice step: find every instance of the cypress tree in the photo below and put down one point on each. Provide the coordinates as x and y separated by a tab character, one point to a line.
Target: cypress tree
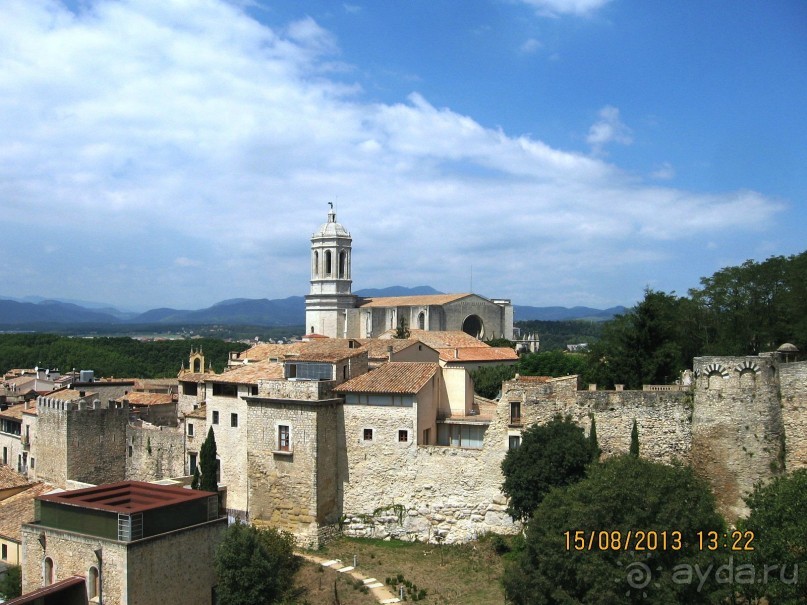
592	441
207	462
634	440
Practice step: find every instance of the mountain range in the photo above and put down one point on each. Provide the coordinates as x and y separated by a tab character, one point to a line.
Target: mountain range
35	311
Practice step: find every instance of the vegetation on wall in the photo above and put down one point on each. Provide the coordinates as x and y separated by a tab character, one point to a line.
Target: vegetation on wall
119	356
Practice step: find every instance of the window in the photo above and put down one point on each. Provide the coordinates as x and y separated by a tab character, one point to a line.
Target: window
192	463
403	436
514	441
327	262
515	412
316	262
225	389
189	388
427	433
253	390
130	451
368	434
48	569
4	552
33	463
233	420
421	321
190	429
5	455
215	417
342	264
93	587
283	438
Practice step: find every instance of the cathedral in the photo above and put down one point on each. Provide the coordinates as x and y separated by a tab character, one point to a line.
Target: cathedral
332	310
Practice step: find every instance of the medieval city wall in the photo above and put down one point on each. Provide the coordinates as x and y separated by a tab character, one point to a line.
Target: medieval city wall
154	452
49	446
96	445
410	492
793	384
737	430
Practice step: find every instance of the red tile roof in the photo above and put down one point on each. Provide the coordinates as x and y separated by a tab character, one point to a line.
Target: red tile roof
19	509
250	374
461	354
394	377
138	398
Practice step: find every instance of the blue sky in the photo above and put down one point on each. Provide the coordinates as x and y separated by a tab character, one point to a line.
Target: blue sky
564	152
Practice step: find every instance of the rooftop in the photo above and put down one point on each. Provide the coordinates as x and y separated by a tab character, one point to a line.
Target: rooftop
11	478
19	509
394	377
127	497
250	374
267	351
410	301
147	398
327	351
13	412
478	354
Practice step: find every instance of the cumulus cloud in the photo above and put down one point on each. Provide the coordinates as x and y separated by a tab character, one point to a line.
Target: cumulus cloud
183	153
665	172
566	7
608	129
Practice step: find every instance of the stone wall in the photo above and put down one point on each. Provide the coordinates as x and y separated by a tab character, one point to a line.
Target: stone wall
293	490
418	492
736	426
96	439
175	567
793	380
49	446
154	452
73	554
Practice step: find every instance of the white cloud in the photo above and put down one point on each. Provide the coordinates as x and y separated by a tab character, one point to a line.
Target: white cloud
566	7
196	148
665	172
608	129
530	46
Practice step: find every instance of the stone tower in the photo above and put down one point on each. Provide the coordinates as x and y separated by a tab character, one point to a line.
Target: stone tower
330	297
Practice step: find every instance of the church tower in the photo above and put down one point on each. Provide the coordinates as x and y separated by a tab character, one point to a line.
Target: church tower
330	297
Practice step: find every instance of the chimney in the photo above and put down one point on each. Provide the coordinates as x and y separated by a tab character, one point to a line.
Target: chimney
389	353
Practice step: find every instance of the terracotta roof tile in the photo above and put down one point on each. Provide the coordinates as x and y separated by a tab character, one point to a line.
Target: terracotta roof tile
378	348
11	478
200	412
393	377
138	398
328	351
268	350
250	374
461	354
410	301
13	412
19	509
446	339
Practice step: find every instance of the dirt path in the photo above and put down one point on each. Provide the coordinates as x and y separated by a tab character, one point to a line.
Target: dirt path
381	592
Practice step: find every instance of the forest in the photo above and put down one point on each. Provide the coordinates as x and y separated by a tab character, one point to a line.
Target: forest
118	356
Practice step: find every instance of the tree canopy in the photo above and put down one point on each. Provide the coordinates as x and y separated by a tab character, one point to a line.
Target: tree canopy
620	495
779	525
254	566
208	463
550	455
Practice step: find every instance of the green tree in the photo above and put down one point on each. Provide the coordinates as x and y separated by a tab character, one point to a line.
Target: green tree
402	331
11	582
779	528
620	495
254	567
552	363
634	440
550	455
593	444
197	478
208	463
488	380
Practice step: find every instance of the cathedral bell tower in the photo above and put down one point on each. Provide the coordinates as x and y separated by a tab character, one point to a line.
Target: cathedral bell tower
330	297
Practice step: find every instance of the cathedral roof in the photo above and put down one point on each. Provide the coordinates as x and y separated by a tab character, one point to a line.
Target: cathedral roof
410	301
331	228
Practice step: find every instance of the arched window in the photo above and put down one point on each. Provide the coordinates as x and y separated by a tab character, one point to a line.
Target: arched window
715	381
342	264
47	570
327	262
421	321
316	262
197	365
93	583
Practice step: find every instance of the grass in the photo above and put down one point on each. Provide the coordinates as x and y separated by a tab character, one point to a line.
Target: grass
467	574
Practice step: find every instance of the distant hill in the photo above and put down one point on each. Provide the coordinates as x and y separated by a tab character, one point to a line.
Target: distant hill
13	313
524	313
238	311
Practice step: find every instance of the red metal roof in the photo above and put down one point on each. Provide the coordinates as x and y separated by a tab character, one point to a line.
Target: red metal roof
127	496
